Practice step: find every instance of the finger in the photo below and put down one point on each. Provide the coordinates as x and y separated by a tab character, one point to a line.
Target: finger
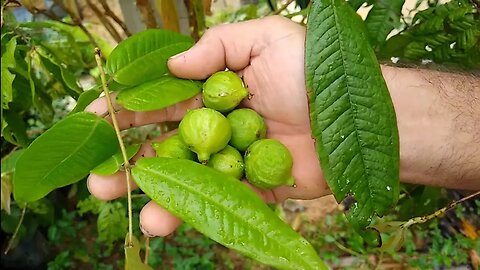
127	119
156	221
309	179
114	186
230	46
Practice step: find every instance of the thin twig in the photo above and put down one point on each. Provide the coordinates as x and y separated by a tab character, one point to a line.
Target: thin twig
347	250
282	8
147	13
114	17
10	243
439	212
120	142
147	250
110	28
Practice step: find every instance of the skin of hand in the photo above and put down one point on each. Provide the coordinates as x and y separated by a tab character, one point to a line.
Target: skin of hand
269	54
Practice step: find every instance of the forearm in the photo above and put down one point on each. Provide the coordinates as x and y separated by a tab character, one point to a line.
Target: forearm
438	117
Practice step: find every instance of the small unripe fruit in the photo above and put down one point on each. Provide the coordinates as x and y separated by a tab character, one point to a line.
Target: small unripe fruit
223	91
247	127
173	147
228	161
205	131
268	164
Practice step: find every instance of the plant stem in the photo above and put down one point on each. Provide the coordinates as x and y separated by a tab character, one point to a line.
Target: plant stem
112	15
439	212
120	141
147	249
10	243
347	250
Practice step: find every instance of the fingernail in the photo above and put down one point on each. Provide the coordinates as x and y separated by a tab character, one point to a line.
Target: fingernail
177	55
145	232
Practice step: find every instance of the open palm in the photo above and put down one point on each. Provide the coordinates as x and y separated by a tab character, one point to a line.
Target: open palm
269	55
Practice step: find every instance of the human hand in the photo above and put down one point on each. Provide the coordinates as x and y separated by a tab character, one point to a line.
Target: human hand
269	55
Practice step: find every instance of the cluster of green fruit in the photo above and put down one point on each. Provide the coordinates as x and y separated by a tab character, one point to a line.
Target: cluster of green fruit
218	141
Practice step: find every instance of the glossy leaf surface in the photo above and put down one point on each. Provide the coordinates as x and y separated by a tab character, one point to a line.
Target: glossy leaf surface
224	209
158	94
143	56
352	116
113	164
63	155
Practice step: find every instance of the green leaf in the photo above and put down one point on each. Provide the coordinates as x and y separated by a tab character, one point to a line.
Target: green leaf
43	103
143	56
16	131
112	222
63	155
224	209
352	116
8	61
356	4
59	71
158	94
115	162
382	19
85	99
396	240
132	256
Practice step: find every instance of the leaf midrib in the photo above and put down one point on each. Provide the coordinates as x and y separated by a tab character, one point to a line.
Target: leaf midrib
87	138
238	219
358	139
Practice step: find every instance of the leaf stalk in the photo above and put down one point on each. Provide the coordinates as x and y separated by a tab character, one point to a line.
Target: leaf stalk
127	166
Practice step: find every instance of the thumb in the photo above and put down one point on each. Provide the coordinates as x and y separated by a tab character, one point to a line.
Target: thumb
226	46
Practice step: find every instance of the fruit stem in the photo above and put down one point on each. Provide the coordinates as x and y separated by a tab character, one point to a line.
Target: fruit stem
111	111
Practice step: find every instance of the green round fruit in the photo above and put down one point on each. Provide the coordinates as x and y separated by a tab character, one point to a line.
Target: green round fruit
268	164
223	91
228	161
205	131
247	127
173	147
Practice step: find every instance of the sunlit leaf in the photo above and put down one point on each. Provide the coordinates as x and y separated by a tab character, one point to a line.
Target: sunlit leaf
8	61
158	94
143	56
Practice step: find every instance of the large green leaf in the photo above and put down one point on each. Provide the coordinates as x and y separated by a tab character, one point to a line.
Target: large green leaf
352	116
63	155
143	56
158	94
8	61
382	19
224	209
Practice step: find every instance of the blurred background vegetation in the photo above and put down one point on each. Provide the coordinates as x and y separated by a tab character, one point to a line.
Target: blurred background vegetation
48	71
